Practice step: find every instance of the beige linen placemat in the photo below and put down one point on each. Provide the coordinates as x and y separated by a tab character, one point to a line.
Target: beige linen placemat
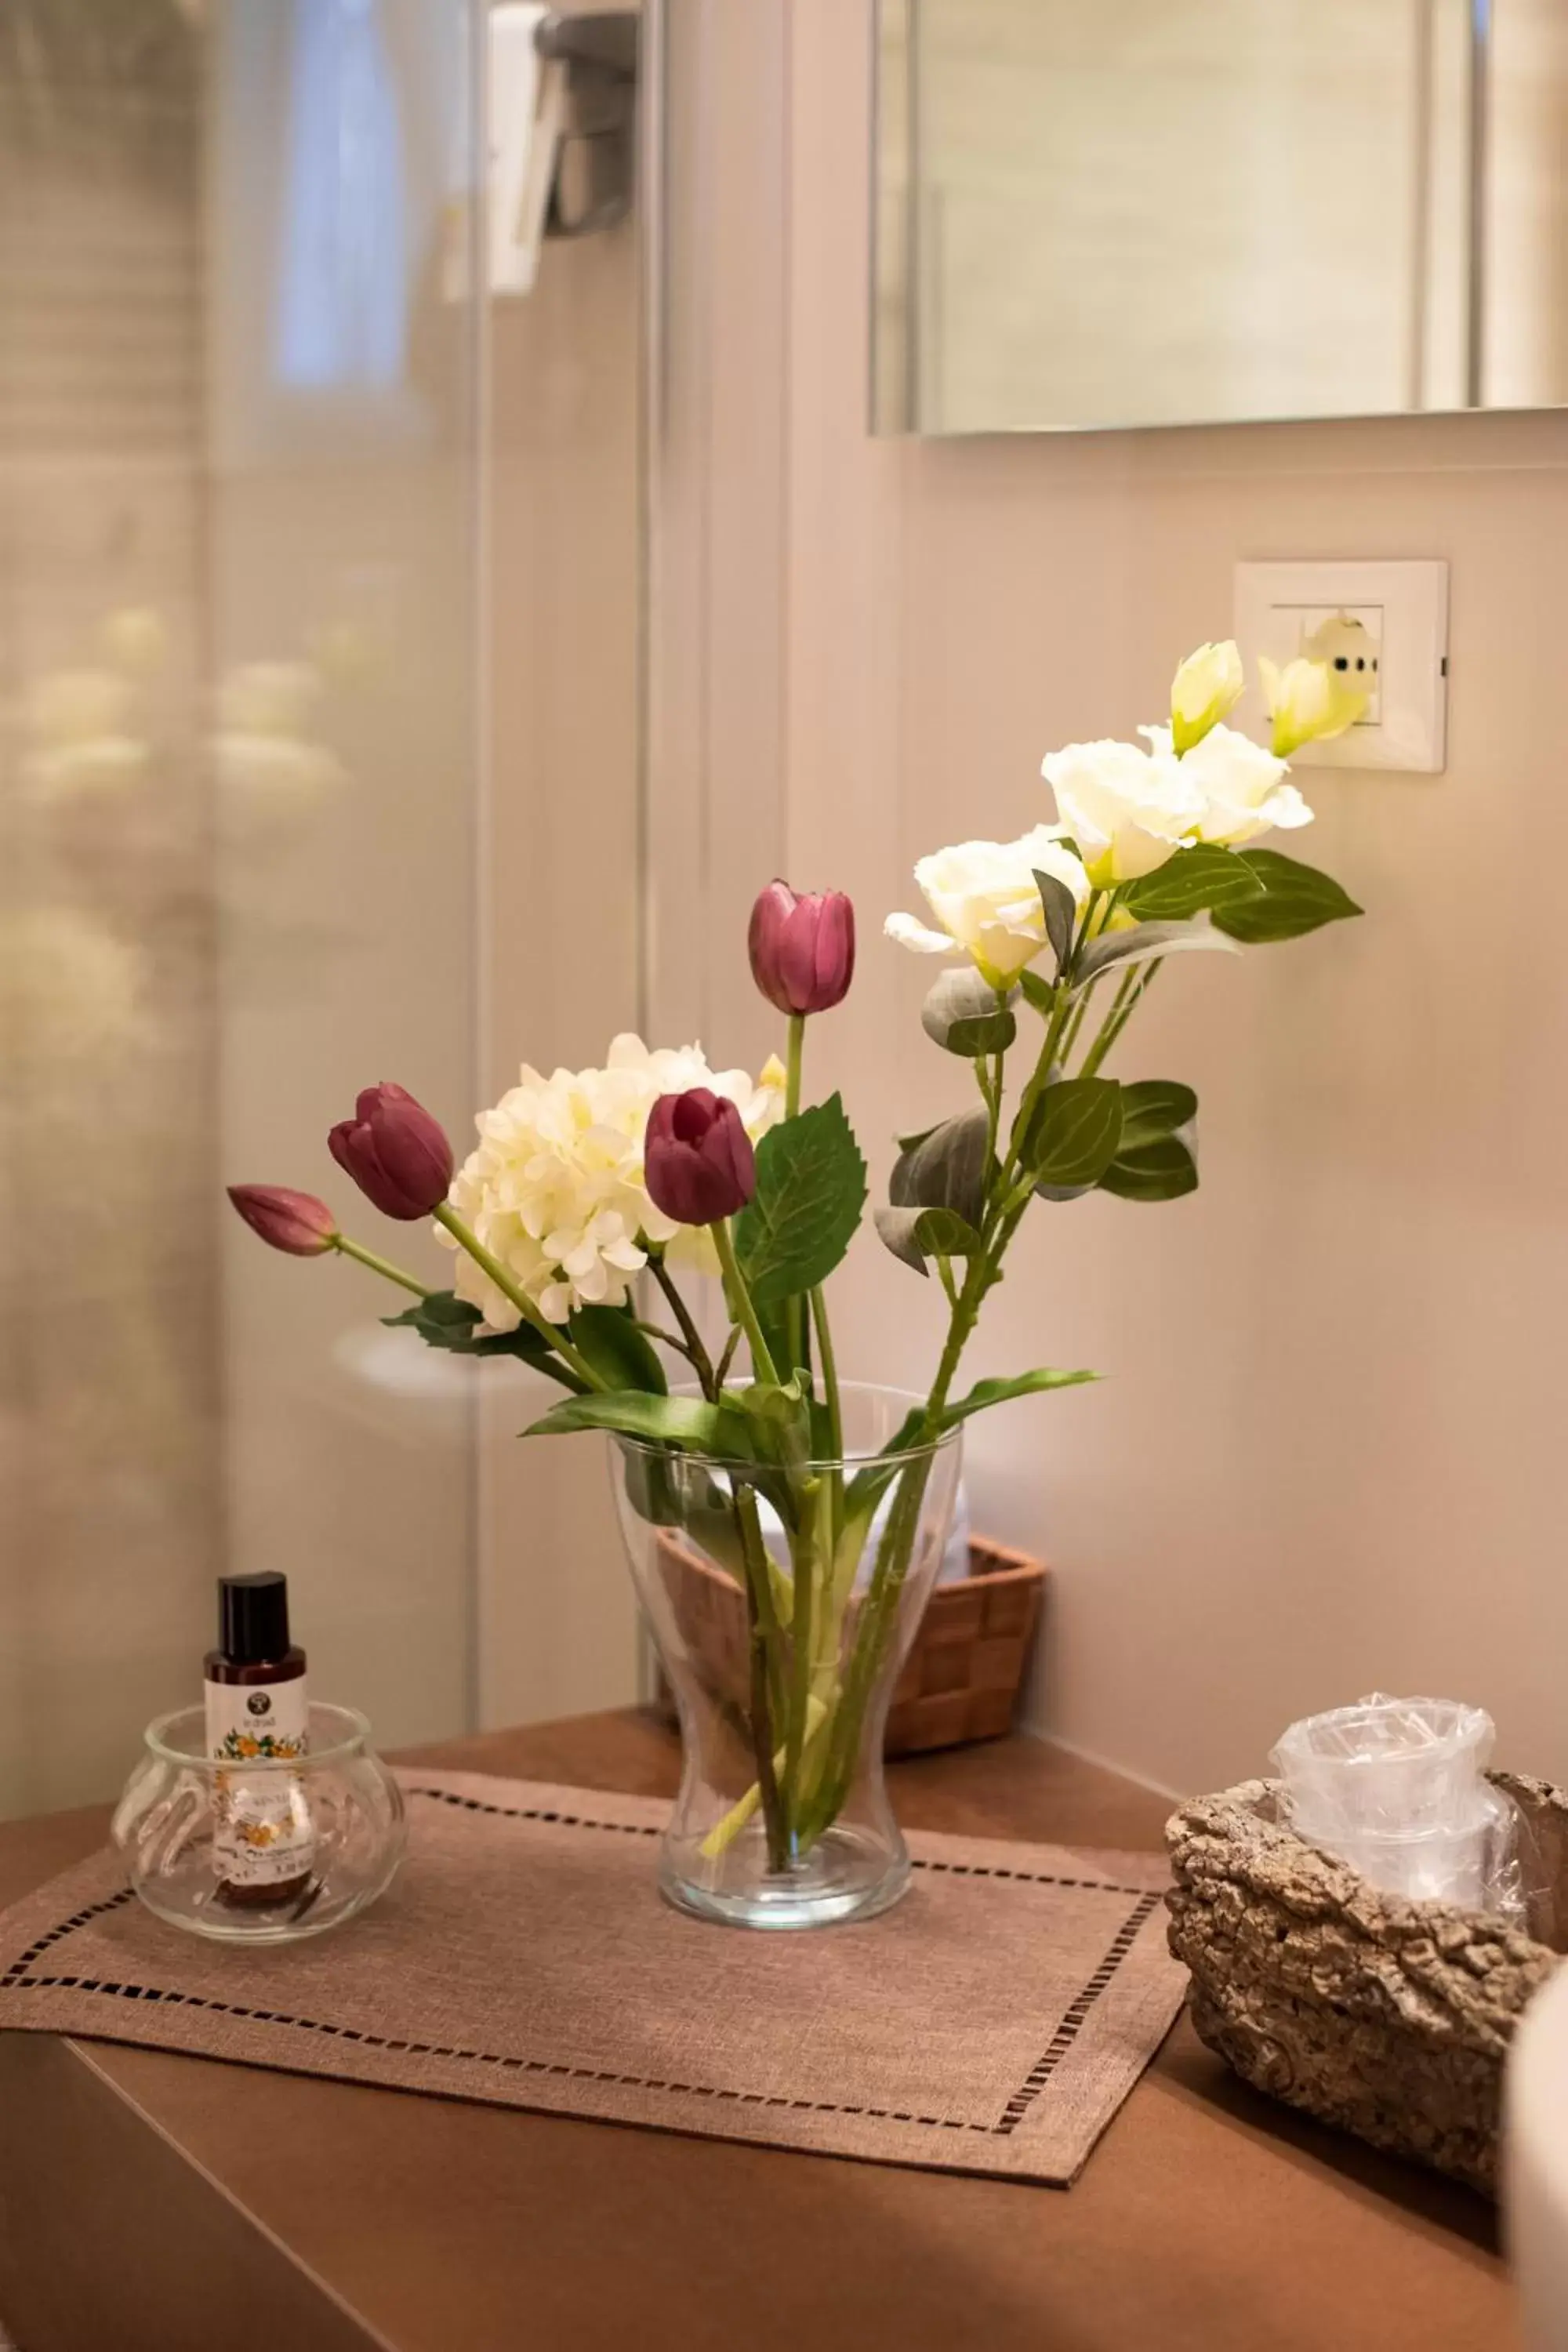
991	2022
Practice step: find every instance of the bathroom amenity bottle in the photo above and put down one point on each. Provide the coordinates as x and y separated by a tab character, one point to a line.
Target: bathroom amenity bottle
263	1842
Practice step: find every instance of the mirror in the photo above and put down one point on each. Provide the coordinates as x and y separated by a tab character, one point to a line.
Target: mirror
1177	212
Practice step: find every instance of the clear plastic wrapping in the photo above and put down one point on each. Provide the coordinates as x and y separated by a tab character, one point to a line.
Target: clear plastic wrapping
1397	1788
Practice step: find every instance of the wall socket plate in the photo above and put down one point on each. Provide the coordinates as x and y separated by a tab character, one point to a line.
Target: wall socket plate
1404	608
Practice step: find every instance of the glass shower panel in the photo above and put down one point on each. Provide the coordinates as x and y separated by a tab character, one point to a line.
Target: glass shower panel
238	775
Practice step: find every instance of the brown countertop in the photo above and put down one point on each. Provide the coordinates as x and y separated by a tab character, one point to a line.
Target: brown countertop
149	2203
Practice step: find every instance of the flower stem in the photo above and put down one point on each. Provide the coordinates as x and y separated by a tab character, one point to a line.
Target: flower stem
795	1312
702	1363
379	1265
448	1216
745	1314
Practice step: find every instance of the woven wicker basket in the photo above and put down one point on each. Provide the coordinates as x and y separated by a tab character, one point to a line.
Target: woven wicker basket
963	1673
1389	2018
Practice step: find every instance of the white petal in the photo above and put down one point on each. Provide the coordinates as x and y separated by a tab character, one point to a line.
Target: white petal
912	933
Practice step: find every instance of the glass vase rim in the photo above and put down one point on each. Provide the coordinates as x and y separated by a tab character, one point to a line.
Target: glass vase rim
355	1742
658	1448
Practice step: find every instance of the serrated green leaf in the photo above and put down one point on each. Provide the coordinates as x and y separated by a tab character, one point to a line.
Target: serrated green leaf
986	1393
618	1351
444	1320
1296	900
1194	882
1145	942
1061	912
811	1189
1073	1132
679	1421
965	1015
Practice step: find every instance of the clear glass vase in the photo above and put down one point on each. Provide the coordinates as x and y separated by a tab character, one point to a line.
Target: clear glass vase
782	1600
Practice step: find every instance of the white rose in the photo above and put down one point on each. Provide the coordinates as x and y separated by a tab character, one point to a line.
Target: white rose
1308	702
1208	685
1128	811
1243	787
984	895
555	1188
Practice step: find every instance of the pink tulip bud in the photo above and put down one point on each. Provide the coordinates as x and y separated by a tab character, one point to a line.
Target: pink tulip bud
396	1153
802	948
295	1222
697	1158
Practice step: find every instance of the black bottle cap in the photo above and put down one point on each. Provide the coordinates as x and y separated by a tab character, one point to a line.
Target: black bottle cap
253	1618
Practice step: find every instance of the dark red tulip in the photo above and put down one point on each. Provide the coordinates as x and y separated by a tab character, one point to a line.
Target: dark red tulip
802	948
396	1153
295	1222
697	1158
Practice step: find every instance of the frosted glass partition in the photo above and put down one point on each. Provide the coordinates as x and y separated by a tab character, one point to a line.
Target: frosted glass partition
238	622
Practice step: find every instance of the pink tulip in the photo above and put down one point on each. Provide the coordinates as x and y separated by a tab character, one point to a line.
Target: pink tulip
295	1222
697	1158
396	1153
802	948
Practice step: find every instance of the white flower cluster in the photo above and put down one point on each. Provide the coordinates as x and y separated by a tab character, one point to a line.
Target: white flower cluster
1126	811
555	1188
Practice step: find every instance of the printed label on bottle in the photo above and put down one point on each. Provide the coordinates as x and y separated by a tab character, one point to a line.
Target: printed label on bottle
262	1834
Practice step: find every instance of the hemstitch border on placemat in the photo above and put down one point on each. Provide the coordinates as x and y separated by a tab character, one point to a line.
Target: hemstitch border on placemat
19	1976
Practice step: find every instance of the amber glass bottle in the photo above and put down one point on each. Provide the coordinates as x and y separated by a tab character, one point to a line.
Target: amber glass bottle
263	1844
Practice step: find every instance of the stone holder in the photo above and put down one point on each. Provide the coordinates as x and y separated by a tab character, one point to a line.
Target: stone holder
1388	2018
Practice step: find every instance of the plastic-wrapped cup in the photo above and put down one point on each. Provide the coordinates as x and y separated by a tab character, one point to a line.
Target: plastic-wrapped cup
1396	1789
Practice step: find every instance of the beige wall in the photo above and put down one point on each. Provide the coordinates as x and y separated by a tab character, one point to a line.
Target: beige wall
1325	1458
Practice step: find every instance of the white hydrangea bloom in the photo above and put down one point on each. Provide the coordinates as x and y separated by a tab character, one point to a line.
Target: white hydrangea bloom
555	1189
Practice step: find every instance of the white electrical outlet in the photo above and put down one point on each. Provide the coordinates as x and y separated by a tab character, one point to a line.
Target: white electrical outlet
1390	618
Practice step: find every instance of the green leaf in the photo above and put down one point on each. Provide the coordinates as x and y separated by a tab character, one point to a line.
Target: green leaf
1163	1170
618	1351
444	1320
867	1484
1073	1132
947	1167
915	1235
679	1421
1038	992
1061	914
986	1393
1144	944
1153	1109
811	1189
1194	882
965	1015
1296	900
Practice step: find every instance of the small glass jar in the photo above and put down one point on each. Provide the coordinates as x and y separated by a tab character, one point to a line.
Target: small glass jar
267	1849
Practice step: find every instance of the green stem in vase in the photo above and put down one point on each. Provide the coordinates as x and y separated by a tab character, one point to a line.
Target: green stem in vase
745	1314
762	1634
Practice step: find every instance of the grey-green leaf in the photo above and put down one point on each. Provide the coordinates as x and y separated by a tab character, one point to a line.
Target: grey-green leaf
1061	914
915	1235
677	1421
946	1169
1194	882
1073	1132
811	1189
965	1015
1161	1170
1146	942
1153	1108
1295	899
